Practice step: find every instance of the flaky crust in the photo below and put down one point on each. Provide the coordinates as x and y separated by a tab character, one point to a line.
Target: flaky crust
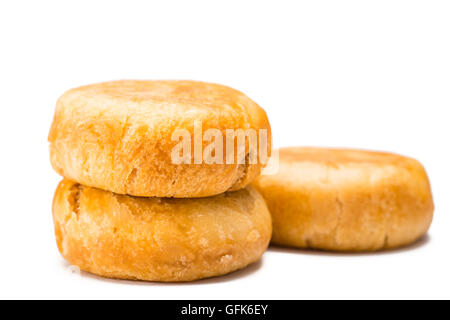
347	200
117	136
158	239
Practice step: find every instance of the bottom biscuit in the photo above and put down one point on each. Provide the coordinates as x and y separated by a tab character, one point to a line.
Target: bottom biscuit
159	239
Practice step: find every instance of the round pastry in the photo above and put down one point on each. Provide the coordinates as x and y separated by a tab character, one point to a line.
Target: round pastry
122	136
157	239
347	200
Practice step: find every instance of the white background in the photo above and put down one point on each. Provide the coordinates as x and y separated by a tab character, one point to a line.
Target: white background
367	74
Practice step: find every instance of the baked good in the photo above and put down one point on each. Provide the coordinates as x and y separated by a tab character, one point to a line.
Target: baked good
347	200
120	136
159	239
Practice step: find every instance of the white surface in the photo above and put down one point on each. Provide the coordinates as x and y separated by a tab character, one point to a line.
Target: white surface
368	74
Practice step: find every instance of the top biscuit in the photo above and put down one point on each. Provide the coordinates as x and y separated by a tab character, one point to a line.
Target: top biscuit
122	136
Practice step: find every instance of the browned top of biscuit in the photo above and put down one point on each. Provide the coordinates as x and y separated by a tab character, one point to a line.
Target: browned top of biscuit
143	100
181	92
337	156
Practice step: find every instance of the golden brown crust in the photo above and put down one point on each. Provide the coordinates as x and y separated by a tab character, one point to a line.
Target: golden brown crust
347	200
158	239
117	136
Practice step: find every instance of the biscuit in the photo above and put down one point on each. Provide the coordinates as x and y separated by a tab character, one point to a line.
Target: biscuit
347	200
157	239
118	136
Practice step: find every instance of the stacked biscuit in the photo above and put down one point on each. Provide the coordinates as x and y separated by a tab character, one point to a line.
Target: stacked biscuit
128	208
136	201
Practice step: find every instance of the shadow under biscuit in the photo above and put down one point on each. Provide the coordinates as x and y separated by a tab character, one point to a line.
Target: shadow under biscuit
420	243
235	275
